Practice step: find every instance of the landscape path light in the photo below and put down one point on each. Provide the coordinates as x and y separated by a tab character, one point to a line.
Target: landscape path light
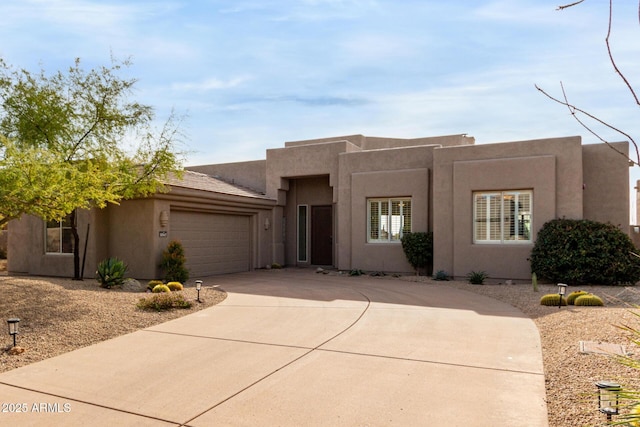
198	287
13	328
562	290
608	398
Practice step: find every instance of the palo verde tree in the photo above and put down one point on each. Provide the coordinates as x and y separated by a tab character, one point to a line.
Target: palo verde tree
74	140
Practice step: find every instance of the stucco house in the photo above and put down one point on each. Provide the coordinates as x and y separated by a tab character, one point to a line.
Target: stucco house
344	202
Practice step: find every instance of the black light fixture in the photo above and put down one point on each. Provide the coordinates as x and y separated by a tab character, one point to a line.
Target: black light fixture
198	287
608	398
562	290
13	328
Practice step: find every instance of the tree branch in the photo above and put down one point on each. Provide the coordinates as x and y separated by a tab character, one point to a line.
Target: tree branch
574	111
611	58
566	6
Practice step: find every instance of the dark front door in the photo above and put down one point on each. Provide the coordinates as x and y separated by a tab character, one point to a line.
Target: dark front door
322	235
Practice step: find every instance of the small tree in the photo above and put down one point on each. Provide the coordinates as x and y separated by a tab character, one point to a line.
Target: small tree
73	140
418	247
173	261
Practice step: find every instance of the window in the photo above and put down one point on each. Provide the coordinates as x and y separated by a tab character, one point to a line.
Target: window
388	219
58	237
502	217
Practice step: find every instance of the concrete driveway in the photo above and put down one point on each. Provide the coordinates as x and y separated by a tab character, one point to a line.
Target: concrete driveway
296	348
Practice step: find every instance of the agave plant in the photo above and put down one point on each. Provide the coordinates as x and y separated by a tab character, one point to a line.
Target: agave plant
111	272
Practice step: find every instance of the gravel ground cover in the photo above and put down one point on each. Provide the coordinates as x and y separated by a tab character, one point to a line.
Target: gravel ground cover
60	315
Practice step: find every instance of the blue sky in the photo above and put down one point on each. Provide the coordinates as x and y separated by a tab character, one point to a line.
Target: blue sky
252	74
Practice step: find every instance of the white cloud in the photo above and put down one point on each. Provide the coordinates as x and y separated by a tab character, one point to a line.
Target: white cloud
209	84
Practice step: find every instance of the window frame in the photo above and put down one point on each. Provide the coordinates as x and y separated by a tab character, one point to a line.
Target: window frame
503	196
62	226
389	222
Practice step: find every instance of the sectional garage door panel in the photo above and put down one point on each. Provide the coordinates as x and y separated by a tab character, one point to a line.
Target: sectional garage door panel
213	243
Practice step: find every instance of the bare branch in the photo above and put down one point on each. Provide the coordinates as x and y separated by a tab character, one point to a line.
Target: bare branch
566	6
613	62
574	113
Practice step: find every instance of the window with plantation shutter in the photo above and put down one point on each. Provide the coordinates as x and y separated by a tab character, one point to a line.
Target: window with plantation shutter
502	217
388	219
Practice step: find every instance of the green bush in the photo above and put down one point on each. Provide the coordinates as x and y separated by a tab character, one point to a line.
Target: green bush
589	300
153	283
441	275
580	252
111	272
163	301
173	261
418	248
160	288
573	295
175	286
552	300
477	277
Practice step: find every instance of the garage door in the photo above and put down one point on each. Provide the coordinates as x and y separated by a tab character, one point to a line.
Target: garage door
213	243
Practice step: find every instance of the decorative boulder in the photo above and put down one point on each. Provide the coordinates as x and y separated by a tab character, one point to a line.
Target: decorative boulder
132	285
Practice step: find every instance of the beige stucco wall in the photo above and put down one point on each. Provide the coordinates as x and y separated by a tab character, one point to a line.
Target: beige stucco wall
606	183
26	242
552	168
377	143
303	161
399	172
131	238
251	174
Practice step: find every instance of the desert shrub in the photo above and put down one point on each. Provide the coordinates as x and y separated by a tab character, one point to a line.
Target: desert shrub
173	261
573	295
356	272
163	301
160	288
175	286
153	283
552	300
477	277
276	266
418	248
581	252
111	272
589	300
441	275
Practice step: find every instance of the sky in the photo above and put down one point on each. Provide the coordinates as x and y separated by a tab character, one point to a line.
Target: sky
248	75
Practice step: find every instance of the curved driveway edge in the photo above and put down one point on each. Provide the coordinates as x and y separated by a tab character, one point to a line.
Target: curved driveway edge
292	347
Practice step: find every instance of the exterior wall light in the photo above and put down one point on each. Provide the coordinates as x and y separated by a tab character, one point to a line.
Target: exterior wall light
562	290
608	398
13	328
267	224
198	287
164	218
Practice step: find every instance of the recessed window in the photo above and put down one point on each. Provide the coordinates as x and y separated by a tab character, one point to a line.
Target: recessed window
502	216
58	236
388	219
